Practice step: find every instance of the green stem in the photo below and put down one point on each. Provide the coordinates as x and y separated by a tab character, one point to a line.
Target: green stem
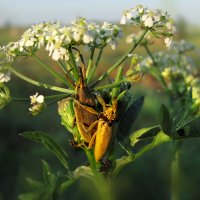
175	175
95	66
90	62
63	67
158	76
150	55
121	60
44	85
54	73
75	68
102	184
109	86
19	99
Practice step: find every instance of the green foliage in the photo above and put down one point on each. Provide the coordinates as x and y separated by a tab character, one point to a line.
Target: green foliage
51	187
166	122
49	143
127	120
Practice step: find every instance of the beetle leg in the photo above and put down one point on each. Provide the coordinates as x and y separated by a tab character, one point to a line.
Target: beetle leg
102	102
86	133
92	141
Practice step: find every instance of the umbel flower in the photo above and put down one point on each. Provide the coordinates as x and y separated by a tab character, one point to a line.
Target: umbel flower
159	23
57	39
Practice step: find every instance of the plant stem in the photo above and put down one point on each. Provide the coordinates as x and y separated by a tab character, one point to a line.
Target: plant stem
102	184
54	73
63	67
75	68
90	62
150	54
158	76
175	174
44	85
121	60
95	66
109	86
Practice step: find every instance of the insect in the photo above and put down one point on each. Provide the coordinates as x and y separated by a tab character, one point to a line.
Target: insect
84	117
104	131
99	132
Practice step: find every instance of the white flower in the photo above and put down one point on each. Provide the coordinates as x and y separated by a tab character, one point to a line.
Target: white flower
5	77
168	41
87	38
148	19
37	99
123	20
126	15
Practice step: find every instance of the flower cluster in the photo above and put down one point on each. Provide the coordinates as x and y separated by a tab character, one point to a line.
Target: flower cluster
37	102
181	47
57	39
177	70
155	20
5	76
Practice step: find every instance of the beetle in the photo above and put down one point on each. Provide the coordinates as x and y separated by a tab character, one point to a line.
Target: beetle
85	117
100	139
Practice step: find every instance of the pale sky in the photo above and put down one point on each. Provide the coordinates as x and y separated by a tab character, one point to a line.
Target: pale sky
26	12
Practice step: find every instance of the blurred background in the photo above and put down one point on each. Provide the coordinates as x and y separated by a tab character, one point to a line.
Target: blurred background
149	176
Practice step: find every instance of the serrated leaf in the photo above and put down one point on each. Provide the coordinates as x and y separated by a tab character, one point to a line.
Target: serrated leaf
159	139
128	118
49	143
139	134
181	118
165	120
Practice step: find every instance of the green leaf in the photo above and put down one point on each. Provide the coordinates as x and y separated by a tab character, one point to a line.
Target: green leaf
120	163
49	178
183	116
65	185
34	184
159	139
126	121
49	143
166	122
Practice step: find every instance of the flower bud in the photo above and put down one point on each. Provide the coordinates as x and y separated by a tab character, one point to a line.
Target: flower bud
4	95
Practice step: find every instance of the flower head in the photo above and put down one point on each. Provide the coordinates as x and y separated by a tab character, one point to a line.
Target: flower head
5	76
37	103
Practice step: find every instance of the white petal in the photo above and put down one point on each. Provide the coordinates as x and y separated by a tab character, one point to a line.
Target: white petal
123	20
87	38
129	15
40	99
56	55
168	41
148	22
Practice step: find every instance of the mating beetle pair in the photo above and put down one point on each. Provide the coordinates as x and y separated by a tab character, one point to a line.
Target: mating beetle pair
95	127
